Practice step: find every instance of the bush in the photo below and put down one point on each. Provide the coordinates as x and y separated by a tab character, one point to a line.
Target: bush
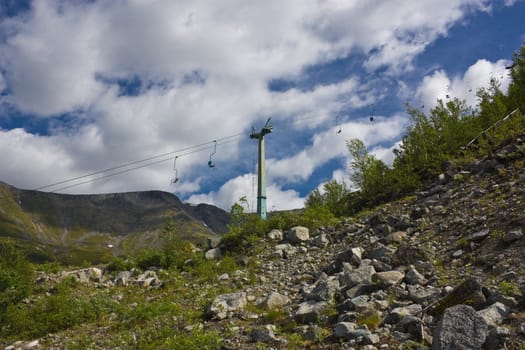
54	313
119	264
16	275
149	258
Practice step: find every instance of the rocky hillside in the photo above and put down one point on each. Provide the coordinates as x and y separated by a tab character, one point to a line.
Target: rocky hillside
442	269
84	225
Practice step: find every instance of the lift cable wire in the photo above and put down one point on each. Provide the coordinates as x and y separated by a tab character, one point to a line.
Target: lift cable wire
125	165
138	162
137	167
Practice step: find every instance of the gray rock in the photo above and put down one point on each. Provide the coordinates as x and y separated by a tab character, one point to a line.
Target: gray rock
122	278
382	253
512	236
265	334
351	256
352	277
225	305
309	332
298	234
479	236
284	250
342	329
457	253
360	303
413	276
460	328
324	290
275	235
349	331
388	278
213	254
310	311
320	240
398	313
275	301
496	338
494	314
423	295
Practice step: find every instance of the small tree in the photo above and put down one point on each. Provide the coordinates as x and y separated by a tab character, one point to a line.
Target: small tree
372	176
334	198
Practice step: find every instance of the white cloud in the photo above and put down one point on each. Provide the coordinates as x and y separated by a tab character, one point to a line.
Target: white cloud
243	186
329	144
203	68
439	85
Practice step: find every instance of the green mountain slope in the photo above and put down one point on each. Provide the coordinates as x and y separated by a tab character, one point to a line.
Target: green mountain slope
96	227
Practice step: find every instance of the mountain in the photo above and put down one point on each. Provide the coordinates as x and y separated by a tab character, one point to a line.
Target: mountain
442	268
93	227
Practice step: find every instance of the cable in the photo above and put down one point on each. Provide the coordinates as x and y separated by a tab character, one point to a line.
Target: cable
137	167
134	162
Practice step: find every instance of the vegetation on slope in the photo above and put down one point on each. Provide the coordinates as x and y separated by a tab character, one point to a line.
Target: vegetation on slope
452	135
135	317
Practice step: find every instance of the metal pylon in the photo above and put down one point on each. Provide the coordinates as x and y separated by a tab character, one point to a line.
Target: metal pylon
261	183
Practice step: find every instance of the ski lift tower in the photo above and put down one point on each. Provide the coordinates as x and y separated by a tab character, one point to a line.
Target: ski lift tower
261	183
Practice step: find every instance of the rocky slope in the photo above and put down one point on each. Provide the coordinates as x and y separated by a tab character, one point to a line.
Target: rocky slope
126	221
442	269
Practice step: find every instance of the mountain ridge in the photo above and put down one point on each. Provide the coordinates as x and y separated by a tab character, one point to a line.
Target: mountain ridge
128	221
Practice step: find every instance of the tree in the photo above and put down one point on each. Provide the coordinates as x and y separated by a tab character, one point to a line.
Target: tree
372	176
333	198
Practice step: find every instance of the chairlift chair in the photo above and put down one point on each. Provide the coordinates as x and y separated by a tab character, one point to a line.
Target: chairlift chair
175	179
210	162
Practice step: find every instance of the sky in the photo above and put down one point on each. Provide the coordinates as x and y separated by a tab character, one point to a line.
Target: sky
118	96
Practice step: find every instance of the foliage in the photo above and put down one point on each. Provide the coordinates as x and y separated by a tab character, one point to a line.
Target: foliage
372	176
195	340
119	264
450	135
62	310
333	197
16	276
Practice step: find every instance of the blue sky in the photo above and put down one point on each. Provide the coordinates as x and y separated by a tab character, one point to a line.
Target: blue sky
95	87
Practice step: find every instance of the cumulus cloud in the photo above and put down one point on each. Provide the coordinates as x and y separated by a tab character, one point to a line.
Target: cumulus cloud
330	144
243	186
439	85
134	79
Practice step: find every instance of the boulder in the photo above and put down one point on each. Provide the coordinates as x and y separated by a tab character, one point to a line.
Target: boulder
412	276
494	314
324	290
225	305
284	250
398	313
479	236
512	236
274	301
388	278
275	235
264	334
351	256
460	328
352	277
310	311
213	254
423	295
320	240
298	235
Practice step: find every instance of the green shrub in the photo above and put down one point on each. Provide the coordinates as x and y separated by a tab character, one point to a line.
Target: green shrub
16	275
194	340
119	264
149	258
62	310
